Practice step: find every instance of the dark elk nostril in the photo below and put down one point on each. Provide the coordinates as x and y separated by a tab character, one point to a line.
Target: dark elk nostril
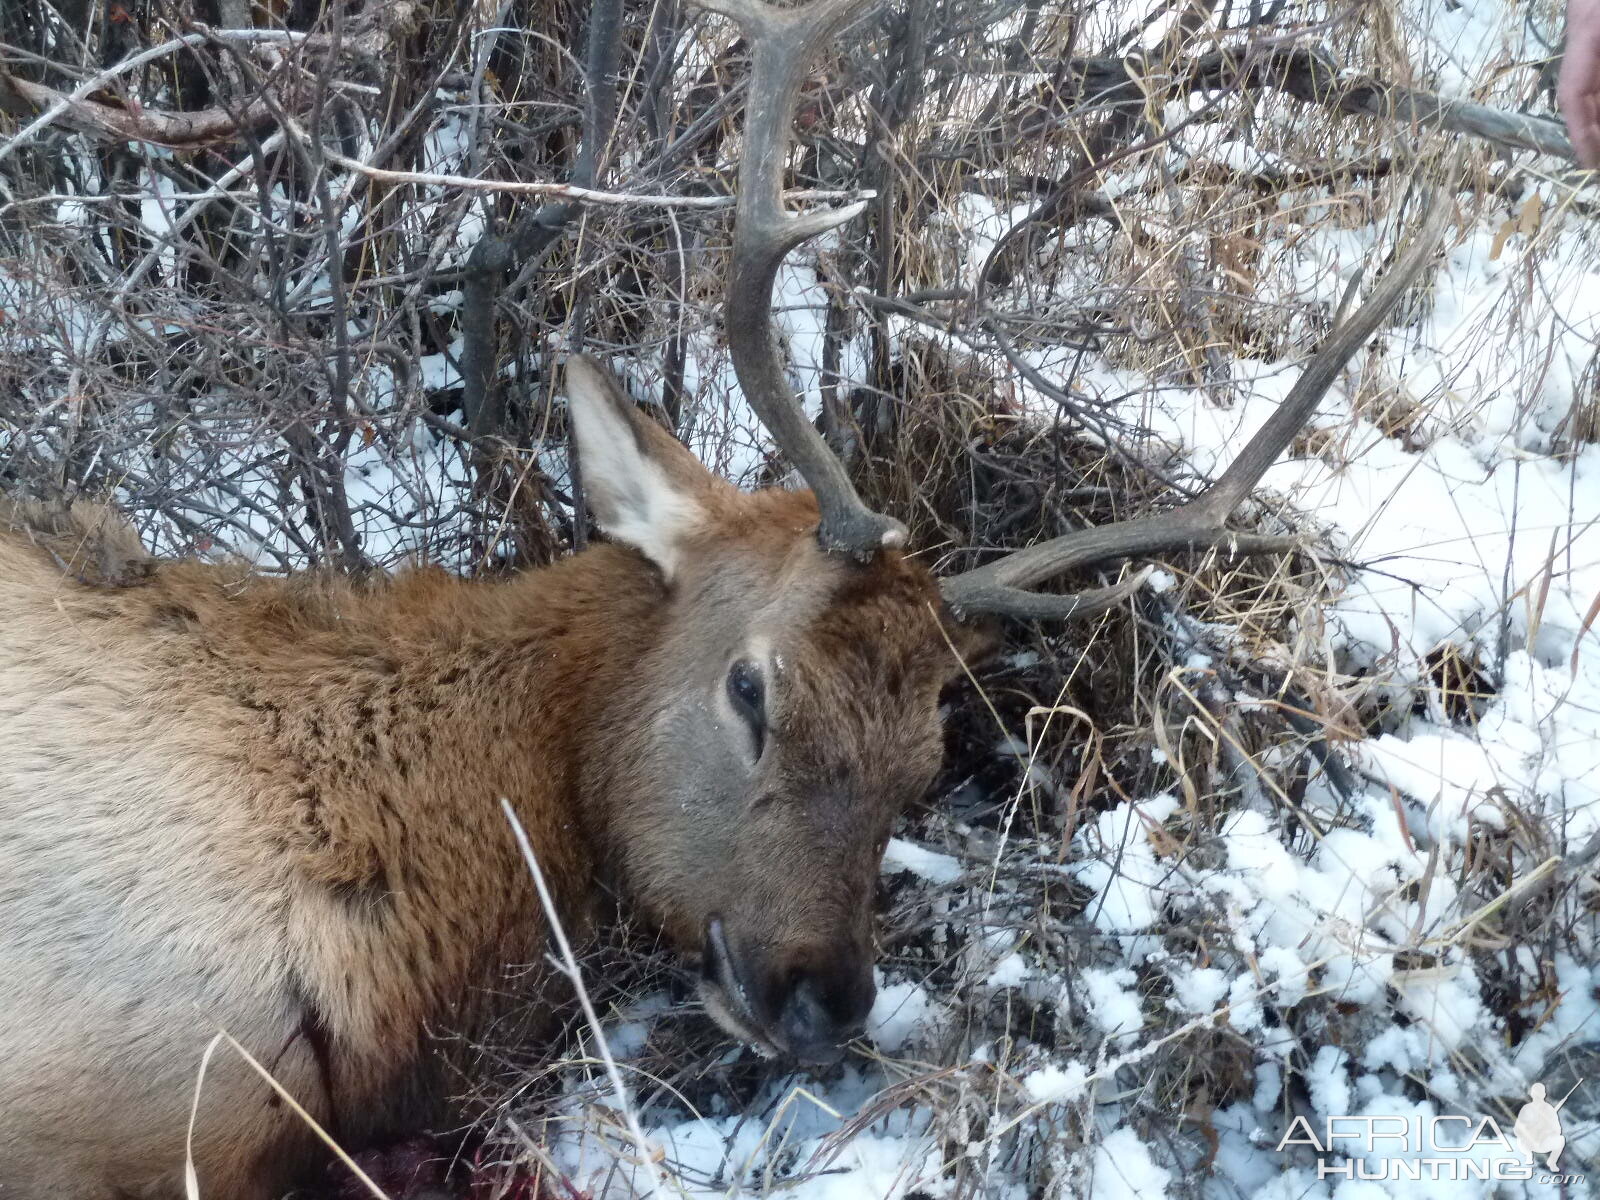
821	1014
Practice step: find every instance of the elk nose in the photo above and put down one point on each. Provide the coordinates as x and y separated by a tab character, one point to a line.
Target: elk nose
823	1010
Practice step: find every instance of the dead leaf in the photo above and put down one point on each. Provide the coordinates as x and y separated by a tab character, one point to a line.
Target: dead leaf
1507	228
1531	216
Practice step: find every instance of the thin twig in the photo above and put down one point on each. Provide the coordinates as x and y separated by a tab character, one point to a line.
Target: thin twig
568	966
583	195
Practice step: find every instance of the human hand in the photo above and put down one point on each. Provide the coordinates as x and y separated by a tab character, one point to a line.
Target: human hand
1578	88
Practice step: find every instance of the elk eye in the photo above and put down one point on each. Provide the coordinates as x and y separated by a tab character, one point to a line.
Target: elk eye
748	696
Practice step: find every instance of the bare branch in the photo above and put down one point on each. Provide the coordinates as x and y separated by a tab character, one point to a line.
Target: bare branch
1307	74
175	130
94	83
574	193
783	42
996	587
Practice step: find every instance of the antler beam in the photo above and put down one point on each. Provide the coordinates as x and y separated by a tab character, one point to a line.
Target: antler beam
1001	587
783	42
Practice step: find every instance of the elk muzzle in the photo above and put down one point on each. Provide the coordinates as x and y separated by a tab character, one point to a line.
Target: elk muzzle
805	1003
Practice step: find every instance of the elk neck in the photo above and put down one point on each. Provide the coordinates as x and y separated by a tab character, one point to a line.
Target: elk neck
376	729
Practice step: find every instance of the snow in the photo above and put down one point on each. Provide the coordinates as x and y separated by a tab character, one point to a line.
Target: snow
901	855
900	1011
732	1156
1125	1170
1119	863
1199	990
1110	1002
1011	971
1326	1081
1057	1085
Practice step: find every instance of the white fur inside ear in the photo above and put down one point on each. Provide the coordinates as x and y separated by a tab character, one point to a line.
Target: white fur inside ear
632	498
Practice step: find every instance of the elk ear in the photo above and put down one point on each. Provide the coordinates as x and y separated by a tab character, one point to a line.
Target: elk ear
643	487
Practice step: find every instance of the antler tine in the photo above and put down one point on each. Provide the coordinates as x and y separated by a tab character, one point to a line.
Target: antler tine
1000	587
783	41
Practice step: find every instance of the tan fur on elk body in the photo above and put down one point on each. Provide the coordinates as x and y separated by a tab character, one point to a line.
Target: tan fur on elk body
271	805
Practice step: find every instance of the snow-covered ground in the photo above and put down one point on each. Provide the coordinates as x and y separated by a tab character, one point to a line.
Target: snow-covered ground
1480	534
1473	524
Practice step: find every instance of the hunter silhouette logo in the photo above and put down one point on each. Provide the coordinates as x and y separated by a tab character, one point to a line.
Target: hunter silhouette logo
1538	1127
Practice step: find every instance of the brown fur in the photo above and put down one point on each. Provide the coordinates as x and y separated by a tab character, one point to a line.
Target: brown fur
271	806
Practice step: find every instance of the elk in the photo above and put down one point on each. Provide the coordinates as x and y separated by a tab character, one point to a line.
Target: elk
271	805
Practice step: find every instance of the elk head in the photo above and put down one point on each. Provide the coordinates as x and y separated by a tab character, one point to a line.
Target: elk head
784	715
799	673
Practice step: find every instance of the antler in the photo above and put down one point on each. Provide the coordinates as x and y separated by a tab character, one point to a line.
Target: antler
783	41
1000	587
